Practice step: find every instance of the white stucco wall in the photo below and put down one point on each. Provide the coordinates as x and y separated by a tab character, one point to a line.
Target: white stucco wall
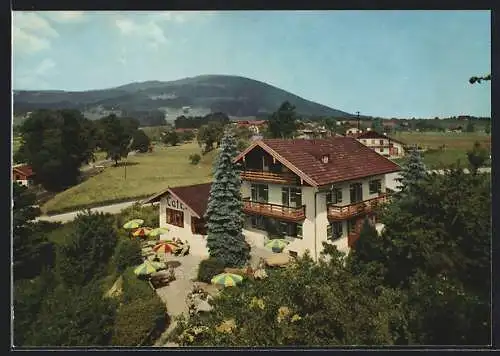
198	245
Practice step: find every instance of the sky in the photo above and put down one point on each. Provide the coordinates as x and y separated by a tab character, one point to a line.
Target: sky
383	63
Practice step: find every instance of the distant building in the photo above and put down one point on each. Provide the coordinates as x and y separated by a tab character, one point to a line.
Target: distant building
382	144
253	125
353	131
22	174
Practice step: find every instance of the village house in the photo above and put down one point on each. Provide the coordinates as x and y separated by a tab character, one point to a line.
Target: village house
382	144
353	131
306	191
253	125
22	174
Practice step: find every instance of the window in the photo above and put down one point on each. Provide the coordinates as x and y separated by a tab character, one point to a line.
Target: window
175	217
290	229
258	222
291	197
381	142
260	193
334	230
293	254
334	196
356	192
381	149
375	186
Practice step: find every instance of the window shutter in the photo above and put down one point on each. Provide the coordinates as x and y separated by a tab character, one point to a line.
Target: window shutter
329	231
299	230
329	198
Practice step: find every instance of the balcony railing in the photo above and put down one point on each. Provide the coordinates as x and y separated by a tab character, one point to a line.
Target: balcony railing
336	212
274	210
271	177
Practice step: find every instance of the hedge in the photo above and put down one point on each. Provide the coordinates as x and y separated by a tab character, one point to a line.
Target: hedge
142	315
209	268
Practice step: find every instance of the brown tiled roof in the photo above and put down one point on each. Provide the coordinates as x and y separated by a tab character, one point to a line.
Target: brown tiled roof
348	159
24	170
195	197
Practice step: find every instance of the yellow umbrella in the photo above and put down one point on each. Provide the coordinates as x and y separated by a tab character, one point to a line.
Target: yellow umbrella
145	268
133	224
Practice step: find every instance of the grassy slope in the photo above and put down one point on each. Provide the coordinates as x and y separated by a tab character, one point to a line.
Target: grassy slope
456	146
146	174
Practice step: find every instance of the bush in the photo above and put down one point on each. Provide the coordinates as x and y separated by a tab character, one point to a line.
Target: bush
209	268
195	158
148	213
141	316
127	253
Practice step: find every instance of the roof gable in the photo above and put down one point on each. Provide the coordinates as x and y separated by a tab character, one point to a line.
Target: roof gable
194	197
348	159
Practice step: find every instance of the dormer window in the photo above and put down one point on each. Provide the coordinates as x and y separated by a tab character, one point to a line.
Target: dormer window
324	158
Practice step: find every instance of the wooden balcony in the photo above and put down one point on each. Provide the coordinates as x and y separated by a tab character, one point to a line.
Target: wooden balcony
270	177
336	212
274	210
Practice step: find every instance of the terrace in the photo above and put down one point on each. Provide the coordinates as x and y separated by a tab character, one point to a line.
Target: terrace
281	212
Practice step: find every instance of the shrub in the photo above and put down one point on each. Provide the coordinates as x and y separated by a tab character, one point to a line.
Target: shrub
195	158
148	213
142	313
127	253
209	268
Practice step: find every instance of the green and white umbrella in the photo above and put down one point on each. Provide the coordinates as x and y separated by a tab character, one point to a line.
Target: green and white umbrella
133	224
158	231
227	279
147	267
277	244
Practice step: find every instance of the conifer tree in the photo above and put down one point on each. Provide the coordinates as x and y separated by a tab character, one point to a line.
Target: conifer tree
225	240
413	171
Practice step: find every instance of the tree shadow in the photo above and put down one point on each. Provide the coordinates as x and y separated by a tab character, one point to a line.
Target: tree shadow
173	264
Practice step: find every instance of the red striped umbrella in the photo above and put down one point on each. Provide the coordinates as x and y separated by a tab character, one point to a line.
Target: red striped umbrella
165	247
141	232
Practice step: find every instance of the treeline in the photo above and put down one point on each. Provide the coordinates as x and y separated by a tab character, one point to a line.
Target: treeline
195	122
55	143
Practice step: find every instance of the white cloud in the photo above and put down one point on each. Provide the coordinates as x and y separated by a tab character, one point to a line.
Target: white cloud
35	78
45	67
31	32
66	16
148	30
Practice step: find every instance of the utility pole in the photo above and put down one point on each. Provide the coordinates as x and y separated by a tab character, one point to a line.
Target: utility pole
357	113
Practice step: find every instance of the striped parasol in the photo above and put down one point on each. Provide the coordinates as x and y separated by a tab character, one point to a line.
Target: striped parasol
158	231
147	267
227	279
133	224
277	244
141	232
165	247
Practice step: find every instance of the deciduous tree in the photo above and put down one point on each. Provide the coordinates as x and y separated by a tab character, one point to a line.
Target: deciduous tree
283	122
55	144
116	137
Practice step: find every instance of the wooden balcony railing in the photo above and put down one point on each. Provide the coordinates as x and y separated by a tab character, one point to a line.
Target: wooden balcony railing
271	177
336	212
274	210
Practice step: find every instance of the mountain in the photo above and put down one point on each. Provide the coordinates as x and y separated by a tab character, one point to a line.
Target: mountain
200	95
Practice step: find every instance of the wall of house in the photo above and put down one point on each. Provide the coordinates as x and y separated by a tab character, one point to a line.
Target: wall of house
198	245
400	148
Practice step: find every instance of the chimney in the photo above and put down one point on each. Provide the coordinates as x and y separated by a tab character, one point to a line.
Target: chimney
325	158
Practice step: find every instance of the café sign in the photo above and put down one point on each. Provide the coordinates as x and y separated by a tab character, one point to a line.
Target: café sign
174	203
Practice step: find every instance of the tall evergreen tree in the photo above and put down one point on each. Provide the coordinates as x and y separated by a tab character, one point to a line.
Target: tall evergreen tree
224	216
283	122
413	171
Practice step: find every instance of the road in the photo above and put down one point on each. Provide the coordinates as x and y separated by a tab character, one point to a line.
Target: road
112	209
390	183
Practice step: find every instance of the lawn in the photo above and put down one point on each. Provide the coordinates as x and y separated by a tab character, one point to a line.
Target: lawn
456	146
146	174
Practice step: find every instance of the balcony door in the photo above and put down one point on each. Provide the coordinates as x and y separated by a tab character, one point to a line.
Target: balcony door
356	192
260	193
291	197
